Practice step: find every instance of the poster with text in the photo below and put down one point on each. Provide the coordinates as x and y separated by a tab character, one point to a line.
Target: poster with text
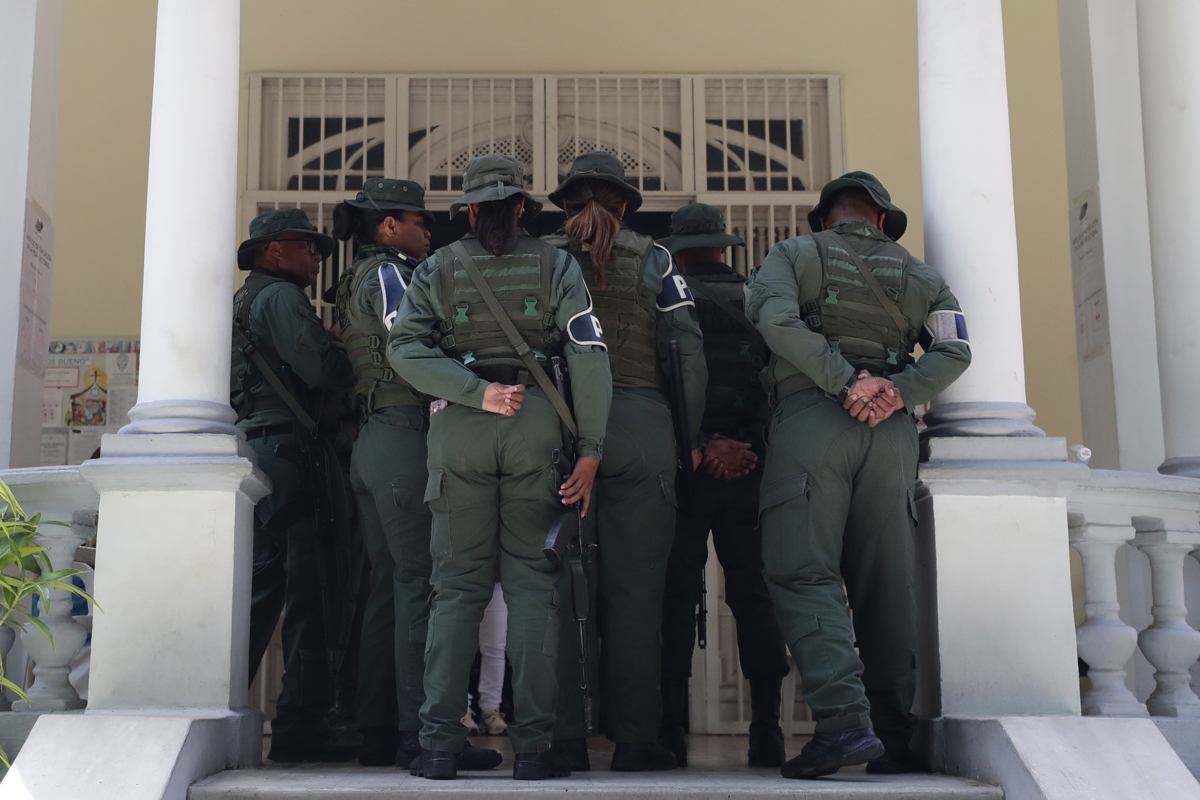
90	386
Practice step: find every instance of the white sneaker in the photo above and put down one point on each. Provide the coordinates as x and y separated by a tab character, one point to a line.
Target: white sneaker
493	723
469	720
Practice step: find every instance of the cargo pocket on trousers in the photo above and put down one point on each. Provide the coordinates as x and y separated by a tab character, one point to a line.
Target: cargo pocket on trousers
410	497
440	544
550	638
783	517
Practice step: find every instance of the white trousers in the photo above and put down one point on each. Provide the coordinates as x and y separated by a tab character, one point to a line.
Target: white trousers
493	632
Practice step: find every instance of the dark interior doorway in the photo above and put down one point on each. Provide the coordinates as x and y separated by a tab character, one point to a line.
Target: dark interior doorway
447	230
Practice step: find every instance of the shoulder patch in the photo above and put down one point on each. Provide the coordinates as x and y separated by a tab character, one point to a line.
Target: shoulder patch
674	292
584	328
392	284
944	326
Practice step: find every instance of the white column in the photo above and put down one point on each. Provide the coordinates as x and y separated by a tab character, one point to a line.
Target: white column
191	219
970	223
30	74
1170	71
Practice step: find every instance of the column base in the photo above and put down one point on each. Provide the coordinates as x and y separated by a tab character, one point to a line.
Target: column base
1184	467
980	419
182	416
149	756
1063	758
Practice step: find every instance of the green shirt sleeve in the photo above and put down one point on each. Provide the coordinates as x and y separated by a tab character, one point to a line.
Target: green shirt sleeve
945	360
426	366
591	377
683	325
283	315
790	268
368	299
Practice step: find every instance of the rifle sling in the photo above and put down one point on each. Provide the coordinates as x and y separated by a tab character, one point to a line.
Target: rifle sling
733	311
514	336
260	363
888	304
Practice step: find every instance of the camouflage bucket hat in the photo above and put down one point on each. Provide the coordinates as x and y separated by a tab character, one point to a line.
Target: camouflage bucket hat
599	165
392	194
274	224
494	177
698	225
894	224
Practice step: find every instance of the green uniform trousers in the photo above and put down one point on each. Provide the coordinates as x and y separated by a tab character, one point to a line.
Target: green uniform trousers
285	579
730	510
388	474
635	524
494	496
837	506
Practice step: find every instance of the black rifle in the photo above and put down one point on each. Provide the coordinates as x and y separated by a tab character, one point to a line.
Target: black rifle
565	545
687	470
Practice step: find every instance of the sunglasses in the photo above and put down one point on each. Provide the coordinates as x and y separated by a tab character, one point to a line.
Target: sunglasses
306	241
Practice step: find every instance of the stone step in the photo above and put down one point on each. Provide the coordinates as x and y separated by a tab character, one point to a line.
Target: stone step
348	782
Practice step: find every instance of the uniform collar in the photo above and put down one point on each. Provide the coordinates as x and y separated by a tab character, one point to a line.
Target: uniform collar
369	250
710	268
859	228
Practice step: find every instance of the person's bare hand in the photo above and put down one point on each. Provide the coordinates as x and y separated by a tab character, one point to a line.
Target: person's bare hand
697	457
885	406
728	458
578	487
866	393
503	399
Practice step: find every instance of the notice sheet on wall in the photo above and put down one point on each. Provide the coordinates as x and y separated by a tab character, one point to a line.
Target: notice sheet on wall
37	289
90	386
1087	271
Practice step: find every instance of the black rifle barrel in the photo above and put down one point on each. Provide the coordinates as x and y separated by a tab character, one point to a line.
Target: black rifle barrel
683	427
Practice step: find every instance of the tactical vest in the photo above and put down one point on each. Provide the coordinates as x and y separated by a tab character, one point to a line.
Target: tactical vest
626	307
849	315
376	386
521	280
246	393
734	397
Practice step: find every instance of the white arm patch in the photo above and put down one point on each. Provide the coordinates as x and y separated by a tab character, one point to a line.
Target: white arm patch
675	292
944	326
392	284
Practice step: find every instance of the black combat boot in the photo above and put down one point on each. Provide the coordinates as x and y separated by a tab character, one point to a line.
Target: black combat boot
378	748
672	731
829	752
470	758
766	737
540	766
641	757
574	752
437	765
896	761
285	750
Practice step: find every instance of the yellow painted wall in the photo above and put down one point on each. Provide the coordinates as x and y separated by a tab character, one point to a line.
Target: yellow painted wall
106	104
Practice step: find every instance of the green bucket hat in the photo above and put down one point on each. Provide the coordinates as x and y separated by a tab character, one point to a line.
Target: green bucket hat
274	224
393	194
494	177
599	165
894	224
698	225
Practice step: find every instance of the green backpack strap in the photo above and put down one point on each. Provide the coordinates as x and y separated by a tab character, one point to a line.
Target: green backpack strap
514	336
888	304
256	358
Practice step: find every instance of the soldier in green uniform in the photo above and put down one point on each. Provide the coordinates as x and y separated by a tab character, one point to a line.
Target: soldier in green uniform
283	358
391	229
842	309
642	303
726	500
477	325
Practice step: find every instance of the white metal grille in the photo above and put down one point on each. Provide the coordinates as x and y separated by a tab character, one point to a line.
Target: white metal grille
638	120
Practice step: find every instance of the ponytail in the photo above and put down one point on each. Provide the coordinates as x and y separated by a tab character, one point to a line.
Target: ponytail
360	223
496	224
595	208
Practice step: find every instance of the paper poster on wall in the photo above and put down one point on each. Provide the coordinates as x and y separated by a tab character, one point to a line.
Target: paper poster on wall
1087	271
37	289
89	387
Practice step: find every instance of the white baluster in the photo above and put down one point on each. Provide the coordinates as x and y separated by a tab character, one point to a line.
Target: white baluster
1105	642
52	690
1170	644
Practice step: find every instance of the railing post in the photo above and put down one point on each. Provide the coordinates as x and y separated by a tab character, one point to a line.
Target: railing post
1105	642
1170	644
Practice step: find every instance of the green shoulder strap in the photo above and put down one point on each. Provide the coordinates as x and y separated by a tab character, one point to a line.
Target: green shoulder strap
738	315
888	304
514	336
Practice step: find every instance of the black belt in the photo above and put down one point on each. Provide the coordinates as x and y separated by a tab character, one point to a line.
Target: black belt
283	429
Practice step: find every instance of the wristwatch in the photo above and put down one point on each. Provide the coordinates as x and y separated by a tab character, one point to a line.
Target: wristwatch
845	392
